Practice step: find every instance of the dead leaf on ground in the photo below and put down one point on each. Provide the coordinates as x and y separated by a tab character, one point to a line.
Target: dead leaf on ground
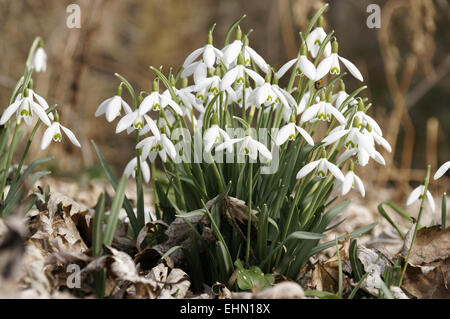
431	244
428	282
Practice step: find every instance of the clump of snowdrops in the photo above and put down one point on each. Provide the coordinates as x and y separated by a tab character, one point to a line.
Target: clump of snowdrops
245	152
26	108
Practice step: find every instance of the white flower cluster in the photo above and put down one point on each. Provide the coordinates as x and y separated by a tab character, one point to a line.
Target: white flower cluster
28	103
237	79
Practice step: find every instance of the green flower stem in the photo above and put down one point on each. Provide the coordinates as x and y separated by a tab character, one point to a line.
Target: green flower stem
217	173
249	221
25	152
8	160
139	190
416	228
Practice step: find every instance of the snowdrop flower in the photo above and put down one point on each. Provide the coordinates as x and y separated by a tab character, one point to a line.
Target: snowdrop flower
231	53
442	170
322	166
24	108
331	64
417	194
322	111
289	131
249	147
213	134
340	97
209	53
156	101
131	169
112	106
269	94
354	138
135	121
315	38
54	133
39	60
209	84
154	145
39	99
186	97
302	64
351	180
363	155
237	74
366	120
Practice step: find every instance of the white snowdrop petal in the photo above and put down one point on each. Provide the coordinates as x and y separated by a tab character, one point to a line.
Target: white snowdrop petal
286	67
191	57
305	135
334	136
126	121
190	69
48	135
229	78
352	68
324	67
415	194
257	59
431	201
9	111
308	168
307	67
41	113
71	136
442	170
335	171
209	56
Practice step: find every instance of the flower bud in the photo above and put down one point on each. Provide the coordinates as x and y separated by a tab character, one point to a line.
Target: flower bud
330	97
214	119
341	86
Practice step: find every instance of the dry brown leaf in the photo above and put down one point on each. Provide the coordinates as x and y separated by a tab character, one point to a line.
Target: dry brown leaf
430	282
431	244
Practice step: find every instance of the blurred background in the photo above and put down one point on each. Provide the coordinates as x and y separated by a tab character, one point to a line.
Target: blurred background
405	63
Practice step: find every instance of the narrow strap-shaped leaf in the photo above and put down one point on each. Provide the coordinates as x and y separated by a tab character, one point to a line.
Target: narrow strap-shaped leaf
112	179
113	217
97	238
232	27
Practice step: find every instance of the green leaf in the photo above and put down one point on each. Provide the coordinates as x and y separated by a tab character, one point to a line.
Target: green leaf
14	188
232	27
112	179
321	294
356	233
354	261
304	235
197	212
171	251
314	19
113	217
97	238
247	279
444	210
398	210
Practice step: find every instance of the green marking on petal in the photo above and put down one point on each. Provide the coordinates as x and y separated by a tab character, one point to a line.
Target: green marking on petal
57	137
335	70
156	107
317	42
